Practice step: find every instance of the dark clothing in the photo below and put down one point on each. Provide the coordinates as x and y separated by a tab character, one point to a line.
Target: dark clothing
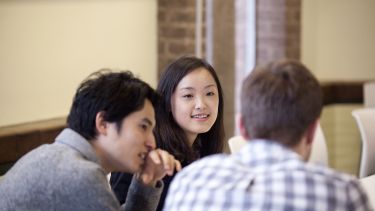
120	183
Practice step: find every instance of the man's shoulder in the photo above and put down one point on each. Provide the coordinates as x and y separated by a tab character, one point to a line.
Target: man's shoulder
322	171
55	163
209	161
213	168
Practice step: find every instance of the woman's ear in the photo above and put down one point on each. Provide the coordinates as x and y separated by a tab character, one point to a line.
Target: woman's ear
100	123
242	126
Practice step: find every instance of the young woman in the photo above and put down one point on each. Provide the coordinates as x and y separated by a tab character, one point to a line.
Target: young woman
189	119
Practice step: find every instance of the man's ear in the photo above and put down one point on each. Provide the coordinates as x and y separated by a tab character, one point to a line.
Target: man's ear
310	133
241	124
100	123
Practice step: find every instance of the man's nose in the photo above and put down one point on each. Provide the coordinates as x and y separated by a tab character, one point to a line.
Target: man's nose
151	143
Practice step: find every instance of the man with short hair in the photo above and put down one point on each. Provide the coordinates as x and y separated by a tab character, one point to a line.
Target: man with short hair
280	108
109	129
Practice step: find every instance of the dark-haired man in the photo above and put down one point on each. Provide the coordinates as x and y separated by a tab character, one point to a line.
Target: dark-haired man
109	129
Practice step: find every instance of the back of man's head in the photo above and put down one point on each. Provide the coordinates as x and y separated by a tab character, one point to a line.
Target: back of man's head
280	101
117	94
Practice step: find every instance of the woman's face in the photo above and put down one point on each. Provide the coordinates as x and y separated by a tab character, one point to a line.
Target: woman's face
195	103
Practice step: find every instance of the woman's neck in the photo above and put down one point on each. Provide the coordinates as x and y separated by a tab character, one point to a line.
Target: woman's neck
191	137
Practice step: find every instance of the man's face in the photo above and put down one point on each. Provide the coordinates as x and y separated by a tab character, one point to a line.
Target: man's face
127	148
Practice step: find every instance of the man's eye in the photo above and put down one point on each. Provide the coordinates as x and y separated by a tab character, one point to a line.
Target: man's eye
144	127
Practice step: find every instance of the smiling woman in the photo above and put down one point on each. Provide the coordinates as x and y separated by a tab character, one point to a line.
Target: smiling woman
194	103
189	119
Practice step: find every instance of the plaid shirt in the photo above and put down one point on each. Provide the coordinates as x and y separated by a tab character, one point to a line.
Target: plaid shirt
263	176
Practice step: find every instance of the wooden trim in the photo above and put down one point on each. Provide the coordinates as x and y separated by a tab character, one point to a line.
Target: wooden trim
342	92
17	140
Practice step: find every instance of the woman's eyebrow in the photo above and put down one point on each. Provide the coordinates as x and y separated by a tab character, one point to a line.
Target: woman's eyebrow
191	88
210	85
187	88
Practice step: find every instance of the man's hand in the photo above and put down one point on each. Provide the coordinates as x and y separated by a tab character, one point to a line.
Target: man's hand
158	164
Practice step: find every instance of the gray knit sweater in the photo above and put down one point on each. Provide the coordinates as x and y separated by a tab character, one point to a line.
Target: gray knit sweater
66	175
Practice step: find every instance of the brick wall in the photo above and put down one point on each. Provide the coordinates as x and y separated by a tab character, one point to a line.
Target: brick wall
278	30
293	29
176	30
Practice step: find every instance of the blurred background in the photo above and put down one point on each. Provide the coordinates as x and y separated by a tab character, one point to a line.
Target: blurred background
47	47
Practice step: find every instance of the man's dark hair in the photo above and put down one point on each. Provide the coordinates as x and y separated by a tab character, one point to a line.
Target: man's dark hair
279	101
117	94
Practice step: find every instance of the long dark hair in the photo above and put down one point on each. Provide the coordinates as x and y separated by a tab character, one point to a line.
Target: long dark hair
169	135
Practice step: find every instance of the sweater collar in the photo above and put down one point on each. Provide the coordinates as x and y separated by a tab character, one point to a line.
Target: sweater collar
77	142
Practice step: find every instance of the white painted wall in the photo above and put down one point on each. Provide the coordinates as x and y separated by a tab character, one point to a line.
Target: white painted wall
338	38
48	47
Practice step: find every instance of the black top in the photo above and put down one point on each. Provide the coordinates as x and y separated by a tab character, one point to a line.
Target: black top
120	183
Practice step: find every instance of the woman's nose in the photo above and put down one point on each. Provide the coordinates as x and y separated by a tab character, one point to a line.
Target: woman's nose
200	103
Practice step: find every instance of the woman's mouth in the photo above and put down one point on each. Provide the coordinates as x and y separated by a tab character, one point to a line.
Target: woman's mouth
200	116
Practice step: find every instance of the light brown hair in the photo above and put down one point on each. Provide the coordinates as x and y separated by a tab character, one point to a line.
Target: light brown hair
280	101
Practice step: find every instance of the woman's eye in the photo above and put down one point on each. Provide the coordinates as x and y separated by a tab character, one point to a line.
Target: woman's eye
210	93
187	96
